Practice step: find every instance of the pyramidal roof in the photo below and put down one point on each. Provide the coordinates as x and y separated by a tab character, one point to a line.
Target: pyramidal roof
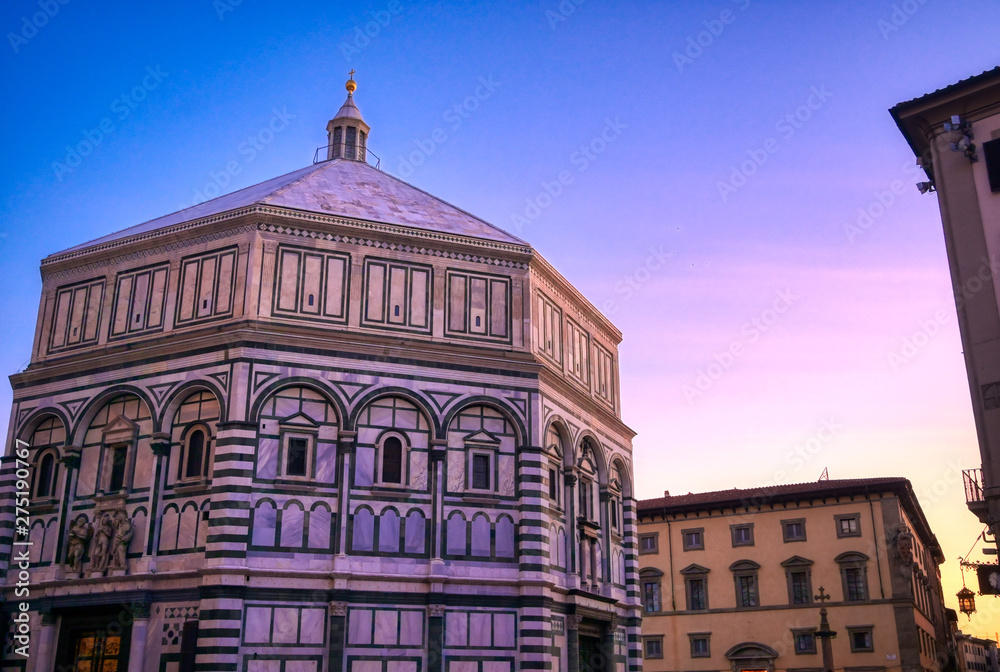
345	188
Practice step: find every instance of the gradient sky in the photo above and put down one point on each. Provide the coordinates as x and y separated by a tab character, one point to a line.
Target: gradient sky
776	266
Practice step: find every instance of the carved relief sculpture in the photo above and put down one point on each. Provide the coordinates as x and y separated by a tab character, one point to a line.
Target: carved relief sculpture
76	548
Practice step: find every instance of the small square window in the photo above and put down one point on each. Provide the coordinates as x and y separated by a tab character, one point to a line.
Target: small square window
794	530
805	642
481	472
694	539
861	638
742	534
649	543
848	525
653	647
296	460
700	647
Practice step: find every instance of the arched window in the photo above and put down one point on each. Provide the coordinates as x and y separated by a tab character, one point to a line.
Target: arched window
195	454
45	481
392	460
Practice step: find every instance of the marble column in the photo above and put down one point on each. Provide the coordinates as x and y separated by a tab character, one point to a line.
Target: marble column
605	518
435	638
573	642
160	445
338	636
572	541
438	455
45	652
71	461
345	447
137	644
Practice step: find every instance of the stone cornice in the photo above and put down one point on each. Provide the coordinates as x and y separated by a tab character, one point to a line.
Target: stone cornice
586	312
361	226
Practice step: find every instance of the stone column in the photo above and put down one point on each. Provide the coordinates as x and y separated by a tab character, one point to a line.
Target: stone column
438	455
232	481
137	645
435	638
569	497
45	652
608	645
338	636
345	448
605	518
71	461
160	445
573	641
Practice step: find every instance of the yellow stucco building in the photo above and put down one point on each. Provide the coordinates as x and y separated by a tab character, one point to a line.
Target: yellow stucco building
729	579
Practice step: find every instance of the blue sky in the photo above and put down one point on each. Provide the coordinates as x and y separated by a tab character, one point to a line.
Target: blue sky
732	146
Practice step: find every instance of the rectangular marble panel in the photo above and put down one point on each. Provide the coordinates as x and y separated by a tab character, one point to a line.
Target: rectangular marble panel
286	625
292	521
505	465
359	627
300	666
418	470
411	628
397	295
326	462
206	299
480	629
463	666
498	309
142	476
311	284
258	626
456	628
401	666
496	666
376	292
312	626
120	322
255	665
456	471
157	299
366	666
334	303
386	624
137	316
503	630
418	298
189	284
267	458
456	303
88	471
364	466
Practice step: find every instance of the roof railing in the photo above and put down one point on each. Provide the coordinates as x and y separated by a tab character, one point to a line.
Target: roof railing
322	152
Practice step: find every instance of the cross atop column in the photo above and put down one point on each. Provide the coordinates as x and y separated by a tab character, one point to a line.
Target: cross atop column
822	597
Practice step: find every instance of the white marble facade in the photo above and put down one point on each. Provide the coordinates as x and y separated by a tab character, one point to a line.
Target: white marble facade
344	440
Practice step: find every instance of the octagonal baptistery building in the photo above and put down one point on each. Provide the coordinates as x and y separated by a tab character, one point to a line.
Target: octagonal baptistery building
326	422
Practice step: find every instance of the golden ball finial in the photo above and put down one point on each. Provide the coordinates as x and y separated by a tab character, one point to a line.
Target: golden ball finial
351	85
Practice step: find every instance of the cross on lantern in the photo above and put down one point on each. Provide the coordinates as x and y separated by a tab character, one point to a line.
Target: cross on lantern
351	73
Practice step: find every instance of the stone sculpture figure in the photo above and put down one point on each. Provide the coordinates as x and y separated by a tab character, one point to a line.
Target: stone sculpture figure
119	542
103	532
79	535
